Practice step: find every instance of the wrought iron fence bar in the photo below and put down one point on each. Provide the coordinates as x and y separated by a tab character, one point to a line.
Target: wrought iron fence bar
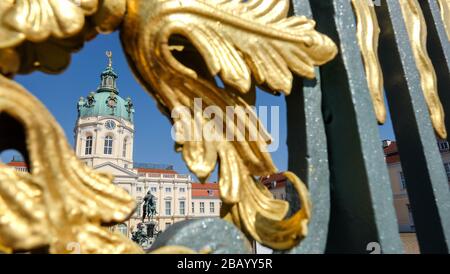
433	8
308	156
438	45
361	197
427	185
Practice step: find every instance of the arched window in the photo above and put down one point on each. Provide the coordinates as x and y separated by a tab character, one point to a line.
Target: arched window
108	145
88	149
122	228
124	151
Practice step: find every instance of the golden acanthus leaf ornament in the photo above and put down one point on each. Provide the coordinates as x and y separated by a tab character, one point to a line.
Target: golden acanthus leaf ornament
61	204
444	6
245	44
368	34
42	34
417	33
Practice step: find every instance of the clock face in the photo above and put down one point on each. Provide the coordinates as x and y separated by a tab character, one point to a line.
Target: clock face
110	125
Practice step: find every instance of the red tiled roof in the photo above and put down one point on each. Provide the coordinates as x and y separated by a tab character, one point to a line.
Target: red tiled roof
393	159
210	190
154	170
17	164
391	149
279	179
391	153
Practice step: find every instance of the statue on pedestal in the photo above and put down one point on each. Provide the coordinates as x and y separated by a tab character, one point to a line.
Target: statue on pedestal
147	231
149	207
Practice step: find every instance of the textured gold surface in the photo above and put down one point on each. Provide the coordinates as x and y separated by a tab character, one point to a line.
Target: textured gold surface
236	41
42	34
368	33
61	202
444	6
417	31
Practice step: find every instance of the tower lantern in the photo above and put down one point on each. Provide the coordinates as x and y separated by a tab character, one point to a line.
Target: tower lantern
104	131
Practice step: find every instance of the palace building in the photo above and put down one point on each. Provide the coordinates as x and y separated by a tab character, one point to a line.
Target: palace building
104	139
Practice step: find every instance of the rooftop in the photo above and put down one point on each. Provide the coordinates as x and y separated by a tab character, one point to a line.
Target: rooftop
206	190
105	101
153	166
277	180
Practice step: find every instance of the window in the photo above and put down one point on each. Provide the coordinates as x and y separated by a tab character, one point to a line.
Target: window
168	208
182	189
124	151
139	189
210	192
410	216
168	189
447	170
402	181
182	208
202	207
139	209
88	150
193	207
153	189
108	145
123	229
211	207
443	145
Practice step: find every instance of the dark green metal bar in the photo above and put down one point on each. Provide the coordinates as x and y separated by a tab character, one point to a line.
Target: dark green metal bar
362	208
308	156
427	184
439	50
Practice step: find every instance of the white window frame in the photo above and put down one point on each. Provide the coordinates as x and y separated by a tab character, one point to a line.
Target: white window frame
108	148
88	145
182	208
211	207
202	207
168	208
124	149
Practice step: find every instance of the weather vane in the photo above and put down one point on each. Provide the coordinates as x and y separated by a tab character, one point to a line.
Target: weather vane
109	55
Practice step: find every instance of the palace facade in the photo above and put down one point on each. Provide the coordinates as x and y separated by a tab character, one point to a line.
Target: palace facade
104	140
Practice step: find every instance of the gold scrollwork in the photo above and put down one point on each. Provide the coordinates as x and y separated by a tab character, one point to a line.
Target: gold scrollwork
368	33
444	6
417	32
42	34
61	202
236	40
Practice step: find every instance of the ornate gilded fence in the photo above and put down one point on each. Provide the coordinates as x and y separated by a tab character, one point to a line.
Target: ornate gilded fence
343	64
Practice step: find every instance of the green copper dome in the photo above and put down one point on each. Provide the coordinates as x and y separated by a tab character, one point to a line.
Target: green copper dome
106	100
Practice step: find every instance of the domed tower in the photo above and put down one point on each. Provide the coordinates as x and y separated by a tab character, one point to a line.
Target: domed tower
104	130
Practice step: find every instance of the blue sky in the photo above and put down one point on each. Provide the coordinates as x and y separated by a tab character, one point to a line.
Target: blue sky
153	142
